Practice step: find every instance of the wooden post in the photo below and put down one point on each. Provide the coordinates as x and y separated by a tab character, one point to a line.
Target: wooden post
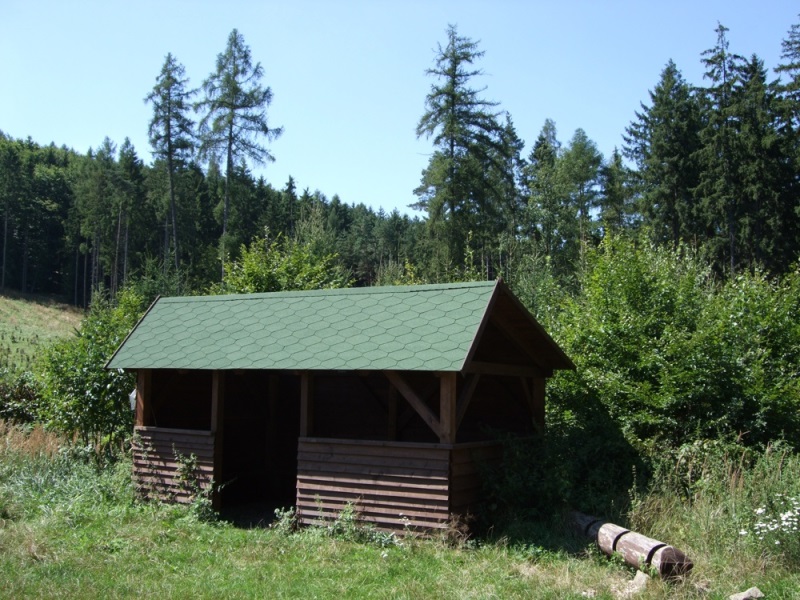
306	404
272	410
448	421
392	410
144	408
217	430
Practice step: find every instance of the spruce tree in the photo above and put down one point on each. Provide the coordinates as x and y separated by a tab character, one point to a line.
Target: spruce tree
720	199
580	164
616	196
663	142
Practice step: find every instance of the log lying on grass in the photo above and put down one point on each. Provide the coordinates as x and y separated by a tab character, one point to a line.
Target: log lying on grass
637	550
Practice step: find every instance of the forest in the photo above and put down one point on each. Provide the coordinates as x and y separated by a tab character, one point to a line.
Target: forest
713	169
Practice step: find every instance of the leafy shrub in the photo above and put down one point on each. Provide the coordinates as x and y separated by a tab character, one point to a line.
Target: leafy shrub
280	265
675	356
80	396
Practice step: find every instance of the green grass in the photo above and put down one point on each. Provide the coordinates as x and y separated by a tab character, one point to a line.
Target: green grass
72	529
29	322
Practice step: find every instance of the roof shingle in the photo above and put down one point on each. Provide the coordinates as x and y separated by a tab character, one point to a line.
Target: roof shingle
427	327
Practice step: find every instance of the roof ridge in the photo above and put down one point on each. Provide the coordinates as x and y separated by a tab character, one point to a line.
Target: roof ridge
383	289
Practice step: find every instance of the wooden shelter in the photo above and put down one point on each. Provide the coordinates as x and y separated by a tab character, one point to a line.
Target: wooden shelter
389	398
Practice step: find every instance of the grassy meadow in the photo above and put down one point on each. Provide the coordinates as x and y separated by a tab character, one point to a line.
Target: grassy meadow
71	527
29	322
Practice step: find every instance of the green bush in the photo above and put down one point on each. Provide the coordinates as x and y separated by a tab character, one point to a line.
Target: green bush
80	396
280	265
675	356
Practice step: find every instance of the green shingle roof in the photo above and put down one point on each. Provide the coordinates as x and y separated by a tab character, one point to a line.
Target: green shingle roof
404	328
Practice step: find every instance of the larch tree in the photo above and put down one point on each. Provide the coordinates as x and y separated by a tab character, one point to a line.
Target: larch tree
467	137
171	130
790	55
234	118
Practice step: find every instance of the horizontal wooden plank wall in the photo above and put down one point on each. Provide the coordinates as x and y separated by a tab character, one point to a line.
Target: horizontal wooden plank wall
469	463
156	469
392	485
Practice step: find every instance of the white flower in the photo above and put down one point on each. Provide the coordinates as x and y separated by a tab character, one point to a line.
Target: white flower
743	532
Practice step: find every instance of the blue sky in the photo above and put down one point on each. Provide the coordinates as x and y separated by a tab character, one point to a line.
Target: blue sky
348	77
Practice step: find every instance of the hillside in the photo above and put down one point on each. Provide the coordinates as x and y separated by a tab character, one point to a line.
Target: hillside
28	322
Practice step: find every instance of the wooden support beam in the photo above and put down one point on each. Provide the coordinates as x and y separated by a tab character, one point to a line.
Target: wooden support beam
466	397
448	421
144	407
217	429
406	413
392	410
217	400
306	404
487	368
272	414
415	401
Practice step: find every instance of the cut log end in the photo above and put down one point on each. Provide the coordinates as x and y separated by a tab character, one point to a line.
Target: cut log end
671	563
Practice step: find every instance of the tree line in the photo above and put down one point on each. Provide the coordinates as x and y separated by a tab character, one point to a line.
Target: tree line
711	167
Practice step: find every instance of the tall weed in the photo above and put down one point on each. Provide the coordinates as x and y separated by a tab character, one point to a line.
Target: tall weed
44	474
723	499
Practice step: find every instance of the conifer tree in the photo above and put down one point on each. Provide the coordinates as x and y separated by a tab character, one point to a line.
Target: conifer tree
616	196
767	223
663	142
547	219
580	164
171	130
234	118
720	200
468	138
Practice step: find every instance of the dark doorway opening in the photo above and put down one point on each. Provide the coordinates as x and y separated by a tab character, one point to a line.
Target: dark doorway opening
260	430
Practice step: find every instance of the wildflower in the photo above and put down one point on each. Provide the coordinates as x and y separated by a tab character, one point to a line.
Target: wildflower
743	532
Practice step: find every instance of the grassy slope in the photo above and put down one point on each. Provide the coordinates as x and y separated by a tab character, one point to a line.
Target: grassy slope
27	322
